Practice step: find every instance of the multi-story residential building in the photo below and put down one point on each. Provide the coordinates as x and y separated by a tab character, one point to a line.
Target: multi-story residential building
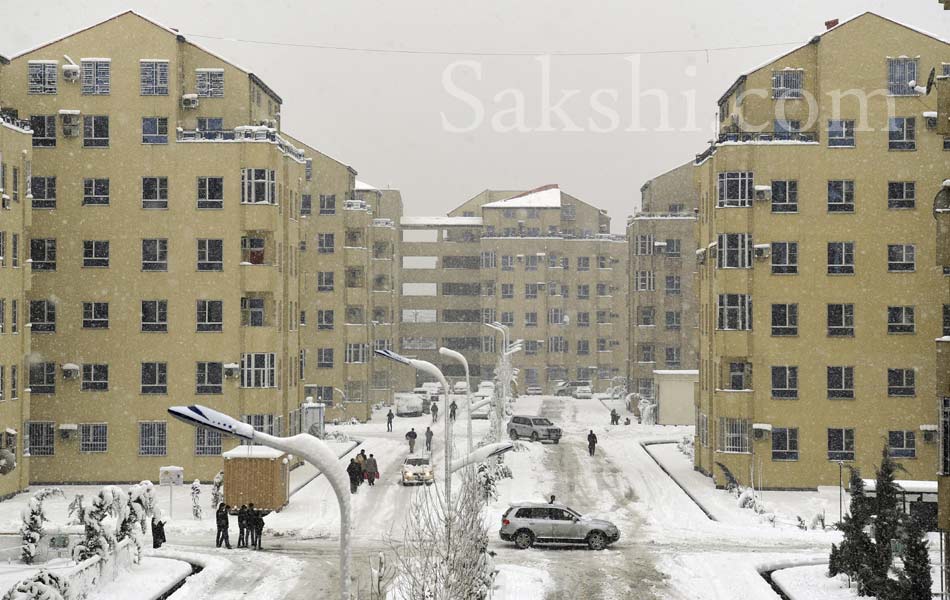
815	211
16	156
541	262
941	213
661	264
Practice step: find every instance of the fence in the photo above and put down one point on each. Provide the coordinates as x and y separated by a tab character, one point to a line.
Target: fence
88	576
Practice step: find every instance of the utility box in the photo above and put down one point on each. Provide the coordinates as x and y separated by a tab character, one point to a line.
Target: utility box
256	474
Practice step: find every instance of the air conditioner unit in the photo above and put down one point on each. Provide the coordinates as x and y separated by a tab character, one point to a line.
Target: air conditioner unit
759	434
930	437
66	430
930	118
232	369
71	73
763	193
762	250
189	101
70	370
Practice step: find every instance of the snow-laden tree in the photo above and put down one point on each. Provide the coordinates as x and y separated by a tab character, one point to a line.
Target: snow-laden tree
31	530
914	581
41	586
98	539
196	499
131	520
888	515
148	501
217	490
852	555
647	411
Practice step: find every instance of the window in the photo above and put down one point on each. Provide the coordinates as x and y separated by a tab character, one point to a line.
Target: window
840	258
647	316
44	130
583	319
325	319
901	382
257	370
96	77
785	382
325	243
42	438
209	83
154	315
583	347
15	250
210	315
841	196
325	281
784	128
531	319
733	435
530	262
95	253
902	133
43	378
900	319
673	248
95	131
14	318
153	77
41	77
583	263
210	123
901	444
42	316
784	319
603	317
840	382
735	189
735	312
327	204
531	291
507	290
734	251
946	320
209	377
95	378
672	285
556	316
356	353
557	344
644	282
43	254
841	134
154	378
787	83
784	258
324	358
486	260
900	72
306	204
95	192
784	196
507	318
252	312
507	263
210	255
258	186
784	443
210	192
901	194
154	130
841	320
155	192
900	257
93	437
155	255
95	315
583	291
43	190
673	356
207	442
673	319
840	444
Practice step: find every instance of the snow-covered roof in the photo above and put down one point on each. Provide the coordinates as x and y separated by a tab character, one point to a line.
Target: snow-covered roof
913	487
363	186
441	221
252	452
546	196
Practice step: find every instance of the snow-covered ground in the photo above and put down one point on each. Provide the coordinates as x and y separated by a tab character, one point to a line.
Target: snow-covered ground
812	583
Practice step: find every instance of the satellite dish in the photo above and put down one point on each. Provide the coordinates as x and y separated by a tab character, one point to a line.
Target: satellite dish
931	79
7	461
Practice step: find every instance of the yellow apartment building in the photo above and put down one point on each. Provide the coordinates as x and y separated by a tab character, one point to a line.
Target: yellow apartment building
818	264
662	307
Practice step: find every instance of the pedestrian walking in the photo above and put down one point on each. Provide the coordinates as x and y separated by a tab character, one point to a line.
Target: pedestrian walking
242	527
356	475
452	408
591	442
158	531
389	420
551	501
429	435
411	436
258	528
435	412
222	520
251	525
371	470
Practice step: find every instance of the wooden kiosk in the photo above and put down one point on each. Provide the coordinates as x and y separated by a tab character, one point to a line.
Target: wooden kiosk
256	474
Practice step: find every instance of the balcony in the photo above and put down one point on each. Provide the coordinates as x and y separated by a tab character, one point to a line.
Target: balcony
244	133
765	137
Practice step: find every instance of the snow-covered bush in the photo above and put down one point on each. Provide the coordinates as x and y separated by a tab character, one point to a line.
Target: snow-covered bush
732	484
489	474
217	490
647	411
98	539
133	514
746	498
196	499
685	446
818	521
41	586
31	530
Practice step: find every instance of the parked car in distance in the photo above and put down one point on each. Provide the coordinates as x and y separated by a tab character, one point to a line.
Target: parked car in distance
568	388
583	392
408	405
534	428
485	389
529	523
417	470
424	396
534	390
434	389
482	411
460	387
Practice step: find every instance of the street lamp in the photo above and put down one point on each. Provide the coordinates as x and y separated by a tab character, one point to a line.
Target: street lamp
468	387
310	448
482	454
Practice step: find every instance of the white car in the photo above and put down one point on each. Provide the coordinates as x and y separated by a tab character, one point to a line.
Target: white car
583	392
460	387
417	470
534	390
485	389
482	412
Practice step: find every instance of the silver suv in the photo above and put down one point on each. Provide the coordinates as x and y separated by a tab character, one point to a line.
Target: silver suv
527	524
535	428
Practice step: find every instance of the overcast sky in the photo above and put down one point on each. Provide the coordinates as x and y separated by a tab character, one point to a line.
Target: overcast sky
390	115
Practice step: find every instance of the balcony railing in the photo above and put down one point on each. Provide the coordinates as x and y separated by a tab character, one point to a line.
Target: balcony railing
805	137
18	123
244	133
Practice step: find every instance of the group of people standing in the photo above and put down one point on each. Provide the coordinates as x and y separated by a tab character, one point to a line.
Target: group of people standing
250	526
362	468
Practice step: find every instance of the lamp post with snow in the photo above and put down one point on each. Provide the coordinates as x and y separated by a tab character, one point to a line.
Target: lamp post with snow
468	387
308	447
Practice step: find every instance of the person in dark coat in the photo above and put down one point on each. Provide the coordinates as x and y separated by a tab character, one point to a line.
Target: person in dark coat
242	527
158	532
429	435
258	528
614	417
355	471
411	436
591	442
251	528
452	408
371	470
222	520
389	420
435	411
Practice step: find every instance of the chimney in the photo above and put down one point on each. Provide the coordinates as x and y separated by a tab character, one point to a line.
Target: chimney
831	24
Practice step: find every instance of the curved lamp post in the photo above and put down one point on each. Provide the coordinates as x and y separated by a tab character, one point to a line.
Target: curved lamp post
468	387
308	447
482	454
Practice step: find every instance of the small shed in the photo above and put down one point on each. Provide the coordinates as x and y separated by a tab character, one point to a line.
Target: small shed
257	474
674	396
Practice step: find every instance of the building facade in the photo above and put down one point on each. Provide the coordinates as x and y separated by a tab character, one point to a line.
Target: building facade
541	262
662	307
818	260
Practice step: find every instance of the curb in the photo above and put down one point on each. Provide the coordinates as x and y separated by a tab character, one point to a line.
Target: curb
695	500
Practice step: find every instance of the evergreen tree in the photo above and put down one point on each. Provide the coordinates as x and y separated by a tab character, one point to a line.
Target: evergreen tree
834	562
852	556
97	539
887	523
31	530
914	581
